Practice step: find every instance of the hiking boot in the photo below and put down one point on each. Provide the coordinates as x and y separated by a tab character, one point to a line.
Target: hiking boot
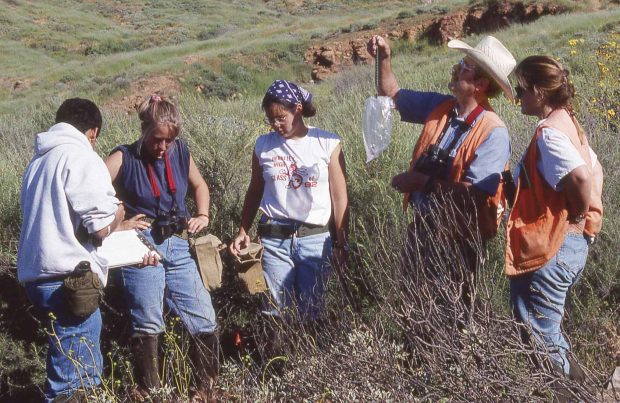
145	351
77	396
575	372
205	360
274	353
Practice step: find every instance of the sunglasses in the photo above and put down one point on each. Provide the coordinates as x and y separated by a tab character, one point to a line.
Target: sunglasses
519	91
465	67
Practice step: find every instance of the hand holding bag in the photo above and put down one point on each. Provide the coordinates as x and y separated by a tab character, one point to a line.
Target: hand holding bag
377	120
250	269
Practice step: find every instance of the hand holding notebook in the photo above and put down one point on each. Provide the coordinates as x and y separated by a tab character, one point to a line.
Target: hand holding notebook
126	248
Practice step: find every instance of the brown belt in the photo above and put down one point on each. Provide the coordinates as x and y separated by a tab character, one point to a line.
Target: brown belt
285	231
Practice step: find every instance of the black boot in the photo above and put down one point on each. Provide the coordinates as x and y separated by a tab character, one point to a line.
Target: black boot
576	373
275	350
144	348
75	397
205	359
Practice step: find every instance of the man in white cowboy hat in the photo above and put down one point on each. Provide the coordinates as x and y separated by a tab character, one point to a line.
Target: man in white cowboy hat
464	146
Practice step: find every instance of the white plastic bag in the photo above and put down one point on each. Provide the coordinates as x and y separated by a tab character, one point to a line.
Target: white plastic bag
377	125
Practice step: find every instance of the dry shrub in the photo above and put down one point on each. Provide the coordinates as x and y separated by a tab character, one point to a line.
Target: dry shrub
402	326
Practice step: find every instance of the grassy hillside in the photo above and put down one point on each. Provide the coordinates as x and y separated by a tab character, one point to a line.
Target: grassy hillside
84	47
382	340
100	47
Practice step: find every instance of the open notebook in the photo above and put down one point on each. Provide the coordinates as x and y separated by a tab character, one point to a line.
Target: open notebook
125	248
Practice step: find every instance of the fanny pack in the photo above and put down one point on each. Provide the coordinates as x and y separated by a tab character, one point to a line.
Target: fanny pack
83	290
206	250
285	231
249	268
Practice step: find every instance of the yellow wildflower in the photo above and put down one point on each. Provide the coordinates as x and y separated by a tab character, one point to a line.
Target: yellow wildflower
572	42
604	69
611	113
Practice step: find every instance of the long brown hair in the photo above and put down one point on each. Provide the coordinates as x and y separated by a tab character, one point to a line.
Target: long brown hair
550	79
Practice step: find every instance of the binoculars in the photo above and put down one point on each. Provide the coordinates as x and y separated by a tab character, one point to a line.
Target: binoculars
167	224
433	162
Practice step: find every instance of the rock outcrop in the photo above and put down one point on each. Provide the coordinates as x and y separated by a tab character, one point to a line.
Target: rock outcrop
348	49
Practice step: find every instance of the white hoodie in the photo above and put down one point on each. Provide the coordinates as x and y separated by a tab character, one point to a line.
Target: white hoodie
66	183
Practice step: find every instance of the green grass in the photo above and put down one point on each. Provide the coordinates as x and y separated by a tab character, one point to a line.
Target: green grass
45	42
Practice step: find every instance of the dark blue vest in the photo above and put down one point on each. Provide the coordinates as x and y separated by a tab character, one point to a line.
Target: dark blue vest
134	189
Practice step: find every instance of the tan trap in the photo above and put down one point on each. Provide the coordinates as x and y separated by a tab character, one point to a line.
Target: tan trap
250	269
207	253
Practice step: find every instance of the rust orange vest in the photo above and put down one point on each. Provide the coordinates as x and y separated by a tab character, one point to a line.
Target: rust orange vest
488	215
539	218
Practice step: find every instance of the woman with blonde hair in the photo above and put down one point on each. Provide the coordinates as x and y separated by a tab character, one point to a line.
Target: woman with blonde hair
152	177
557	211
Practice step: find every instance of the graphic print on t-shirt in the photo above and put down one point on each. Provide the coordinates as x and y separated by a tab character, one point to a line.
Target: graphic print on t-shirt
297	177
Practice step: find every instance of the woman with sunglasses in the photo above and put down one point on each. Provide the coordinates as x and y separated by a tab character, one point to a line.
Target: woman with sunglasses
298	183
557	211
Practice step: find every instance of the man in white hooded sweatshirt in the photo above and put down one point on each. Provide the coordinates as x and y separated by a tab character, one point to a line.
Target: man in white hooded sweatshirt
66	186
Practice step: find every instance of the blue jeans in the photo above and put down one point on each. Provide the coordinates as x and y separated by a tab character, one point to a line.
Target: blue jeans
177	281
296	271
538	298
74	357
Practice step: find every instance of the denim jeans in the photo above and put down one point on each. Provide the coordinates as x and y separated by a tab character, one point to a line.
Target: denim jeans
538	298
74	357
296	271
176	281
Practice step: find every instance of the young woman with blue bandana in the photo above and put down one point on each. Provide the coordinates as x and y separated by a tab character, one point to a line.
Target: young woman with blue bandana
298	183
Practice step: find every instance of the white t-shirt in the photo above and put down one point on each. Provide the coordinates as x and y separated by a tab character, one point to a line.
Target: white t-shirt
557	156
296	175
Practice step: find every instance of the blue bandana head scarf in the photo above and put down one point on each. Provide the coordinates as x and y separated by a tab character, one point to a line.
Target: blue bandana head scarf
289	92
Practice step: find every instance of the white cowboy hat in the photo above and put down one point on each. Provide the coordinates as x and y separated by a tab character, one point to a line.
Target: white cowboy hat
493	58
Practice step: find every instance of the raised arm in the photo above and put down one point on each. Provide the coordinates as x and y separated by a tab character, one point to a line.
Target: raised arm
388	85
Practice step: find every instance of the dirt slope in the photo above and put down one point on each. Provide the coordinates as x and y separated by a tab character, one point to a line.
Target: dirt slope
348	49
